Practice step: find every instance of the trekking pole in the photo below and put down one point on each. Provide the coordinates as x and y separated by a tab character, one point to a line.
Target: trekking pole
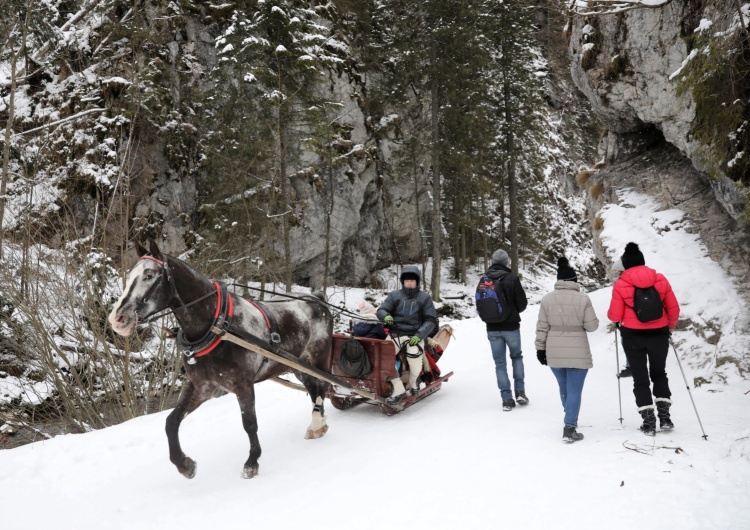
705	436
617	358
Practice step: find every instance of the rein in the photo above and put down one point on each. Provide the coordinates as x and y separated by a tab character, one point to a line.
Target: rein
303	298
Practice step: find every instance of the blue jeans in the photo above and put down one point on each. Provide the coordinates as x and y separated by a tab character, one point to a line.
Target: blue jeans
498	341
570	381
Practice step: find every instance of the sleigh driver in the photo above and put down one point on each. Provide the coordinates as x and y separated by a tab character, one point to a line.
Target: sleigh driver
410	316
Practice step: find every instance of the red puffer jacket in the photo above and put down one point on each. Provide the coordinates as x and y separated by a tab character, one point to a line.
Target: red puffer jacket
624	291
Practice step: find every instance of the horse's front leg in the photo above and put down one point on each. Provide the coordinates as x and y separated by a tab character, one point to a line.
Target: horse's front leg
189	400
246	399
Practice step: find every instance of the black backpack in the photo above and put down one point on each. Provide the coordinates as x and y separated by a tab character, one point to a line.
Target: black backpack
353	359
492	306
647	304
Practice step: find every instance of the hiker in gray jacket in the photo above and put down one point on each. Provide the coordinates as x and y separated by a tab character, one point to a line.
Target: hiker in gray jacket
565	317
410	316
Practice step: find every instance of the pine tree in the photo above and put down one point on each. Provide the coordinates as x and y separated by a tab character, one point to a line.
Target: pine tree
275	54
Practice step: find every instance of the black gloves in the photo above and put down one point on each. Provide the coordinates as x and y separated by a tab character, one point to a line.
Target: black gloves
542	356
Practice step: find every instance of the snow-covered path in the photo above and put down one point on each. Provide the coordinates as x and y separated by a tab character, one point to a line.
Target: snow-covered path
454	460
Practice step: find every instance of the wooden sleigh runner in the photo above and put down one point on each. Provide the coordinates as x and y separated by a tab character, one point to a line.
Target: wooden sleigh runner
382	355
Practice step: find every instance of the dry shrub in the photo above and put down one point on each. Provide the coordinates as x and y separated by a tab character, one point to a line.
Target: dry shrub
598	224
597	190
582	178
84	376
616	67
588	61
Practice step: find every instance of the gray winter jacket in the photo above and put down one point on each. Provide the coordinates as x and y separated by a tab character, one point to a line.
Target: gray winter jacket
565	316
412	310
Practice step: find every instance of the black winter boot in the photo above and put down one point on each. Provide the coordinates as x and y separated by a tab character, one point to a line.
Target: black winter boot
649	421
662	410
570	435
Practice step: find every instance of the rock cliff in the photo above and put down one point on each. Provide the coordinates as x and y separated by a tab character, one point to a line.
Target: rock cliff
624	64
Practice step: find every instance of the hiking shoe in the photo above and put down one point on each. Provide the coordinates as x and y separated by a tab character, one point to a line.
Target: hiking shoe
570	435
625	372
521	398
508	404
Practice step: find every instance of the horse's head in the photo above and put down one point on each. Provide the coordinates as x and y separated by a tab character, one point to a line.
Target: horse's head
149	289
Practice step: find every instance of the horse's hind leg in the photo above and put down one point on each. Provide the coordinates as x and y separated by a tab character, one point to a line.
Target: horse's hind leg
190	399
317	390
246	399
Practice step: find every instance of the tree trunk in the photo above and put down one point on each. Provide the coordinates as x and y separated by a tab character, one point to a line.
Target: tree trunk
419	219
436	224
512	184
485	242
8	132
464	236
285	200
331	190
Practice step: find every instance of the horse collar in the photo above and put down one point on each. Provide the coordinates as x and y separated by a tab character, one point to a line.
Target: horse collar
222	320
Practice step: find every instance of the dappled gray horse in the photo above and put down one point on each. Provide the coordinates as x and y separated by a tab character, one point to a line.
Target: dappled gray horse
305	327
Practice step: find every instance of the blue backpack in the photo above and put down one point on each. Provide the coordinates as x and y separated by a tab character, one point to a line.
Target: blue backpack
492	307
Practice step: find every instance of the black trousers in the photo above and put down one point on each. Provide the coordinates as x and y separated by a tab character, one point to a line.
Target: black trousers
647	355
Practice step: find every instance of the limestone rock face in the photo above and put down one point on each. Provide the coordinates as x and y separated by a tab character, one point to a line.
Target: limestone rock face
373	219
665	174
625	64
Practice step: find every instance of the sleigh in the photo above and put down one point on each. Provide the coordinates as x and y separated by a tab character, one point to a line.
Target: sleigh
382	355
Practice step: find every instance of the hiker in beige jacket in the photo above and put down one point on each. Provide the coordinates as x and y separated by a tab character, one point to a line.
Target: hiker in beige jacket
565	317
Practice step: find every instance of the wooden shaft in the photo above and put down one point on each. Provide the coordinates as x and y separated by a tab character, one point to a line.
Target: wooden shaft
309	370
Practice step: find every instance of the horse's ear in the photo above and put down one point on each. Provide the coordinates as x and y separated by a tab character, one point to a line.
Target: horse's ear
155	252
139	249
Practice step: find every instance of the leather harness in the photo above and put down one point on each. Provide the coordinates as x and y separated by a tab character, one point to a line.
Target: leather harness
222	321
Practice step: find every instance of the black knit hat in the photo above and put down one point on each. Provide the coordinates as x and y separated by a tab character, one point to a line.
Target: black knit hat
564	271
632	256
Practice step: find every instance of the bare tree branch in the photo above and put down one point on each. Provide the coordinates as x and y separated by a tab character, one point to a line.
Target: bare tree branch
610	7
58	122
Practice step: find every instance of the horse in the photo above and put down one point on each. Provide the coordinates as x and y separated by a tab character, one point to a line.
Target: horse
159	281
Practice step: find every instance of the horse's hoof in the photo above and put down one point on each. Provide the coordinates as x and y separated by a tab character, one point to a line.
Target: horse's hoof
250	471
311	434
190	468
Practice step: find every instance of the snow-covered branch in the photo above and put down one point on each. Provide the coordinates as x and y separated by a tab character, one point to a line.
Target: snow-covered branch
610	7
58	122
41	52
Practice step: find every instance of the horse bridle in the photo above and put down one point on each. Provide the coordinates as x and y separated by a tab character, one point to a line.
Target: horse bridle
168	276
166	272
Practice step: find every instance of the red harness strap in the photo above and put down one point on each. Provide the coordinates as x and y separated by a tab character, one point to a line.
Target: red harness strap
230	313
259	308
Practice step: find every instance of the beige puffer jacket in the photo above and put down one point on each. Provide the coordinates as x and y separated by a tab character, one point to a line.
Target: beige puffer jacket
565	315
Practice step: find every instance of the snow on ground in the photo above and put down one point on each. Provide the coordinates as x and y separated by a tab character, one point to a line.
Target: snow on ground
455	460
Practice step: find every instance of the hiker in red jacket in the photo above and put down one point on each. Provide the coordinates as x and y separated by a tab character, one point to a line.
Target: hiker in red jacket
646	344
